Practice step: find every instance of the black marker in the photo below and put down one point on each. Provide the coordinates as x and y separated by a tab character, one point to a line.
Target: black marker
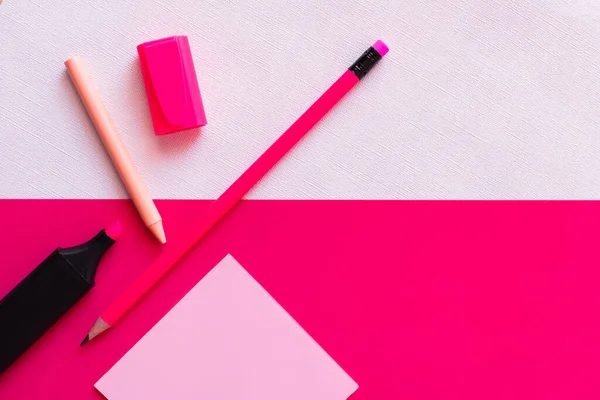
48	292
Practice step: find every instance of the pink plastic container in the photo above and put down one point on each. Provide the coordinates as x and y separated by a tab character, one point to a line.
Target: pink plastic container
171	85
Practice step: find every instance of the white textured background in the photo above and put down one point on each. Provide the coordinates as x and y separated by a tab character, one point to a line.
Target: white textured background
476	99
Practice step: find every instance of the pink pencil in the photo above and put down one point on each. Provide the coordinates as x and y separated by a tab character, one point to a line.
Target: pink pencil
171	256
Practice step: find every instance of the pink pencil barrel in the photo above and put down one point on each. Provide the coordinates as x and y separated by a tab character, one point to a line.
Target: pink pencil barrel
230	198
169	258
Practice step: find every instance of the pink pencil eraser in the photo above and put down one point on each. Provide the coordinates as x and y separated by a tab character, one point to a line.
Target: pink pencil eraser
381	48
171	85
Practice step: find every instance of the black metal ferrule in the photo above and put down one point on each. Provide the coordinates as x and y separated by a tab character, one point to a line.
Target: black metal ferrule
365	63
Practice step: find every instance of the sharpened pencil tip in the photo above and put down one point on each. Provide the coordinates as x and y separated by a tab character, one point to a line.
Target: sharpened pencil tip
99	327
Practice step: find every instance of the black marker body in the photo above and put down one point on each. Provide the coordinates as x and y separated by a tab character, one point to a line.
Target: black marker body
46	294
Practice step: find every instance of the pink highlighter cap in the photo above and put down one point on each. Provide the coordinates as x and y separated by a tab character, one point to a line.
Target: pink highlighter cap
114	230
381	48
171	85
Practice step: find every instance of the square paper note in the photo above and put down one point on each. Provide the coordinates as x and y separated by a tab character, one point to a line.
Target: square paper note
227	339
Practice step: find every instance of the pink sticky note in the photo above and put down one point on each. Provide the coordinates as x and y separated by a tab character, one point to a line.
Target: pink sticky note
227	339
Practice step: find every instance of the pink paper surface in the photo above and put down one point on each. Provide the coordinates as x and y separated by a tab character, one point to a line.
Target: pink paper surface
227	339
414	300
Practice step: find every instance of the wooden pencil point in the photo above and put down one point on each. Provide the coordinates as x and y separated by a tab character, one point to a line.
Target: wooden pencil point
99	327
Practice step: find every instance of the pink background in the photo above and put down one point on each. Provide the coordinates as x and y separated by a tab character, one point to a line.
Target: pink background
415	300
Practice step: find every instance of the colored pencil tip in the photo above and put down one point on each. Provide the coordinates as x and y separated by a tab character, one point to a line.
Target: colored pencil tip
114	230
99	327
158	231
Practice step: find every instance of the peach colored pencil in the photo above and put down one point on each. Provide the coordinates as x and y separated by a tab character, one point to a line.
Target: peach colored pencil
115	147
